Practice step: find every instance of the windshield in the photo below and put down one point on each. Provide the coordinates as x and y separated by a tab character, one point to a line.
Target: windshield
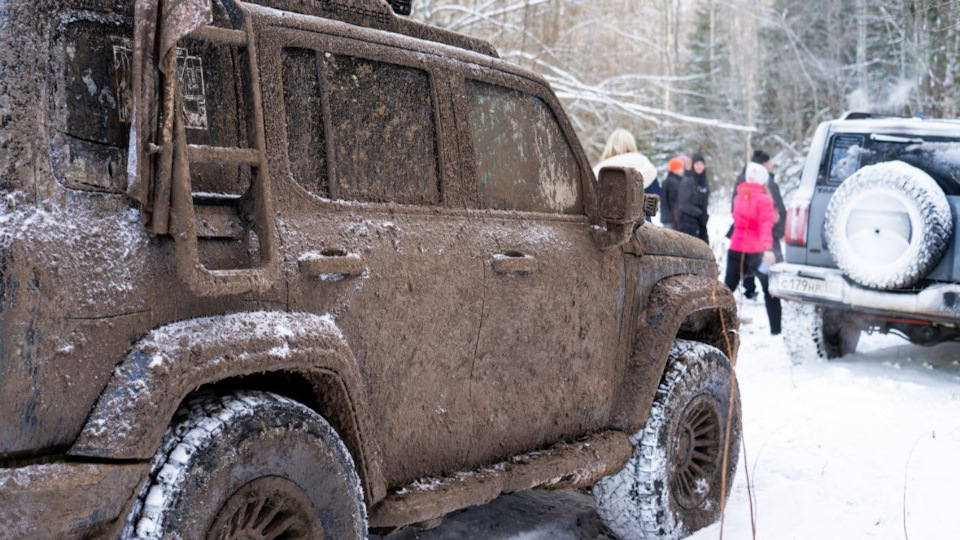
938	157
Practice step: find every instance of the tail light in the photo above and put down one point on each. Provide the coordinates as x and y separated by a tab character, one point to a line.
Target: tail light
798	215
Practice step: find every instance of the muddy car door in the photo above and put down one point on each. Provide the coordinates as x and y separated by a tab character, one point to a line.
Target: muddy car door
369	236
551	298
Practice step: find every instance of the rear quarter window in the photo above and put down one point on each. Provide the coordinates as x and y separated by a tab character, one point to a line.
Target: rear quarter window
91	100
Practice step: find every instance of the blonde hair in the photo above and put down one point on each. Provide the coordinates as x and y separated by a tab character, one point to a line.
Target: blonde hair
620	142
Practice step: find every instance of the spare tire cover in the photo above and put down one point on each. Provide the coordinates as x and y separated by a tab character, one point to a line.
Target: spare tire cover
888	225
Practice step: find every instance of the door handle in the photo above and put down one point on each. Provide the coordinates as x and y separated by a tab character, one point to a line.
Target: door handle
332	265
514	263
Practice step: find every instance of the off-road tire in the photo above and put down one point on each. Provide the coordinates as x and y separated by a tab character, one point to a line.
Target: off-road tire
812	336
646	499
246	465
931	222
839	337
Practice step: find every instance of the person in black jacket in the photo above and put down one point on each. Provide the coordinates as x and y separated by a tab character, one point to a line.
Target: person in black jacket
670	194
780	229
694	197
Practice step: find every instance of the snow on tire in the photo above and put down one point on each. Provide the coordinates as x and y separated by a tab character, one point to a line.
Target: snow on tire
813	336
888	225
803	336
249	464
672	486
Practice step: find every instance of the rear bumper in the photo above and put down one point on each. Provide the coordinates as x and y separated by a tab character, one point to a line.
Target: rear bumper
939	303
67	500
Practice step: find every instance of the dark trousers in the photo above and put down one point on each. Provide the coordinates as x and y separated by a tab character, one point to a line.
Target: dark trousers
749	284
693	228
750	264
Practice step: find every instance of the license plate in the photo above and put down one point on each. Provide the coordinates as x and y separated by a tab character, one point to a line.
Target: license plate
810	287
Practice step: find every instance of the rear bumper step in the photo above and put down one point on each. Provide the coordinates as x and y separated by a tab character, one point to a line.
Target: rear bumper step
938	303
69	500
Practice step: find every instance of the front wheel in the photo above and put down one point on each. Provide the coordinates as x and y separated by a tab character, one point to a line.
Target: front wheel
673	485
250	465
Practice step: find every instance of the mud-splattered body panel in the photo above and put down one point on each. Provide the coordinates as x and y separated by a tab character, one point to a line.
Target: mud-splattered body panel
431	205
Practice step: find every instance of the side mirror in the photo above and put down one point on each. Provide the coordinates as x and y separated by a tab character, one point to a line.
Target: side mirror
621	195
622	205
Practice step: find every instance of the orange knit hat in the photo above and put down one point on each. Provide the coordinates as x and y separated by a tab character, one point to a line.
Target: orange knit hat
676	165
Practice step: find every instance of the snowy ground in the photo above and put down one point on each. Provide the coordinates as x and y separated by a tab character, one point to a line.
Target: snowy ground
832	448
847	449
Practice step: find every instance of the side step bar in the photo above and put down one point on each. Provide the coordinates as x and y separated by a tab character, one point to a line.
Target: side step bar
566	465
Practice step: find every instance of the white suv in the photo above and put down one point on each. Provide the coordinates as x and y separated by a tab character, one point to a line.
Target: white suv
870	233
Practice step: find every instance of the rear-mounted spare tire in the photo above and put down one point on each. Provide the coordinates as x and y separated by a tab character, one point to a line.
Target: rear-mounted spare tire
888	225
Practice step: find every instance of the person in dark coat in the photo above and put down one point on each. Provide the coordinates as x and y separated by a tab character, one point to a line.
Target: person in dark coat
670	194
694	199
780	229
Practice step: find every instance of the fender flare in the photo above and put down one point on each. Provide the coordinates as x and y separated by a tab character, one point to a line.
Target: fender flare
689	306
146	388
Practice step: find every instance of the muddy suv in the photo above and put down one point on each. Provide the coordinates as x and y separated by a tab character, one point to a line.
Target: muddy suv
871	235
308	268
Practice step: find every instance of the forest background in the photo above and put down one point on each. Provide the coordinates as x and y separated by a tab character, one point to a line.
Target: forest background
723	77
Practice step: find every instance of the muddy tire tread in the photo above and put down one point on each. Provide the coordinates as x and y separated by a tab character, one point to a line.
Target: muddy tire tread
195	425
630	503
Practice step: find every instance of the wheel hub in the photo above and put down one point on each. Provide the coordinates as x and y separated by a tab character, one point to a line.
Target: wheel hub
269	508
696	452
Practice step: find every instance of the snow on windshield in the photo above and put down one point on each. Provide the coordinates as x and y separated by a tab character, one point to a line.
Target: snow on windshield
939	159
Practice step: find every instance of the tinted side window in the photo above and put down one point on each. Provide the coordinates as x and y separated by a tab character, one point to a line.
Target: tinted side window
383	131
845	157
523	160
306	142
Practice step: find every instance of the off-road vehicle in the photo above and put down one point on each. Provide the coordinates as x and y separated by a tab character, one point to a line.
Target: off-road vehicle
871	235
307	268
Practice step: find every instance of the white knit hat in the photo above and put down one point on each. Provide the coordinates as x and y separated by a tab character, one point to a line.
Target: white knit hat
757	174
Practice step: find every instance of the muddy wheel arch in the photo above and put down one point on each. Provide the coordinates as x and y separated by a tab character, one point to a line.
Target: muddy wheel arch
693	307
172	361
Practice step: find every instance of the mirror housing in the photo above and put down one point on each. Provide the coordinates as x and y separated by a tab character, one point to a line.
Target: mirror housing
621	195
622	205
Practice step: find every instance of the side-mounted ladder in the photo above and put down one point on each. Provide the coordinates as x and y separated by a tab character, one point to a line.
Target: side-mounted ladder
173	188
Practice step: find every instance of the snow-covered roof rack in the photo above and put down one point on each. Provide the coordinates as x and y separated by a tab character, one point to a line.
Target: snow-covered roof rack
861	115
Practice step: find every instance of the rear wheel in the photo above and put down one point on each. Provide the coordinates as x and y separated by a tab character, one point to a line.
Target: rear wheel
250	465
673	485
839	337
811	335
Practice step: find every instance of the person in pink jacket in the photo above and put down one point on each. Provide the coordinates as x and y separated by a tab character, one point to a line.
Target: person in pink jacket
751	245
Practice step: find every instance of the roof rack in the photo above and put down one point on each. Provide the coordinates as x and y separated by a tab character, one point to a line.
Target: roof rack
401	7
861	115
382	15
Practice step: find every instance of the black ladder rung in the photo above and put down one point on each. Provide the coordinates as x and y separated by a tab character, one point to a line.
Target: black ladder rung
215	34
197	153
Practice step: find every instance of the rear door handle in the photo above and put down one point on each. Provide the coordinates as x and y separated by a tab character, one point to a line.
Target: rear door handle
514	263
332	265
